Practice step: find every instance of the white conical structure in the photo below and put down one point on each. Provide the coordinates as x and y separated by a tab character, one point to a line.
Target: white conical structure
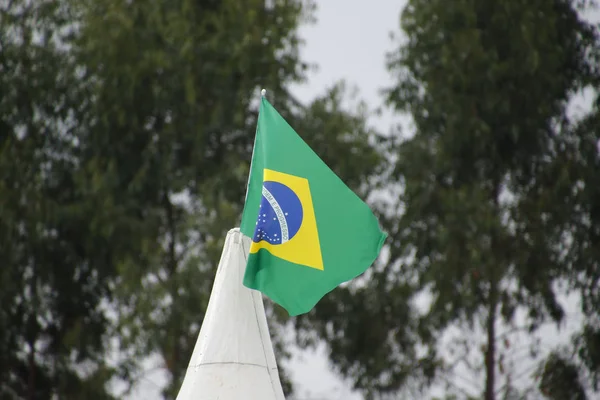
233	358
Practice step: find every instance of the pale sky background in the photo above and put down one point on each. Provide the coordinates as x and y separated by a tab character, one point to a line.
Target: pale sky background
349	41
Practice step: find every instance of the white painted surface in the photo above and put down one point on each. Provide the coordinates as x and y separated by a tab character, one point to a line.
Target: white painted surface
233	358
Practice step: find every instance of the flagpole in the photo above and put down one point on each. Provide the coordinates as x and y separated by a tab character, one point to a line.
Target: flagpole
263	93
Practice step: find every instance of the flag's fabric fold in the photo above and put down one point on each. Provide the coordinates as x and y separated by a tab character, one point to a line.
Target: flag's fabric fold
233	358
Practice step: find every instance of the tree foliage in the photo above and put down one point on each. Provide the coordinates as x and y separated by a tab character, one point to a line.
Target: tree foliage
486	205
580	372
170	135
584	254
56	260
561	380
126	131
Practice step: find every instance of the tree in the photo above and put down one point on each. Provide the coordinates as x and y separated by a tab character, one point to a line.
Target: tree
57	261
125	138
170	129
579	371
483	209
583	253
561	380
178	81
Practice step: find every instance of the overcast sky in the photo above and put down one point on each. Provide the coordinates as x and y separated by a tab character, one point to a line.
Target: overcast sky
349	42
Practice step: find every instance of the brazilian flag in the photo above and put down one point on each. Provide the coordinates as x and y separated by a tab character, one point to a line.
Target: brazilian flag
309	231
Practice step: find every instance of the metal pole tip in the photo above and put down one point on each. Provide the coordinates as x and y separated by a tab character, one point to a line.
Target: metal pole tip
263	92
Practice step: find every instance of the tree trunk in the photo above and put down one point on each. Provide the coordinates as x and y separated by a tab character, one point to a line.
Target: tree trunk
490	355
31	378
172	354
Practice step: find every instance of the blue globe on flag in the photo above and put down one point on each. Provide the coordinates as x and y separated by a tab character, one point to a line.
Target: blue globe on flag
280	214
